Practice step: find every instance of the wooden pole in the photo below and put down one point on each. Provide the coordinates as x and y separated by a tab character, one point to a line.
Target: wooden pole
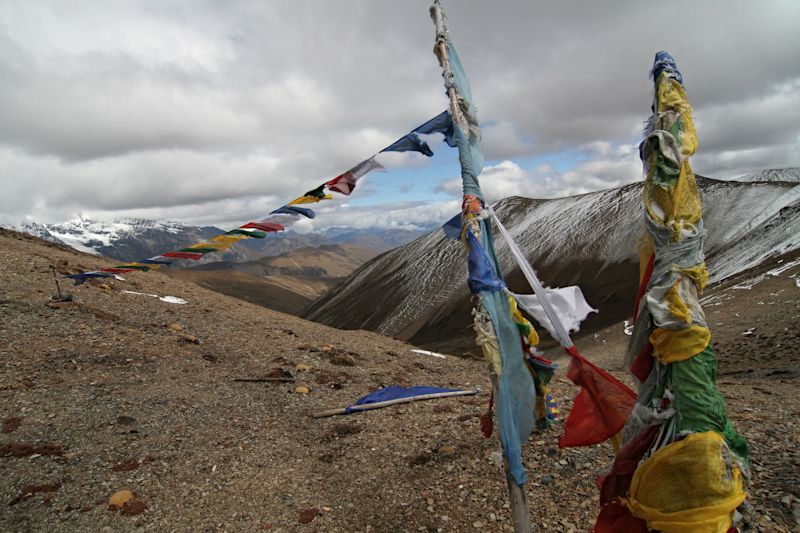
378	405
518	499
520	515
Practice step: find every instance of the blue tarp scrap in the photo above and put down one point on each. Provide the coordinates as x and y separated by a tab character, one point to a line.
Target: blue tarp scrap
81	278
393	393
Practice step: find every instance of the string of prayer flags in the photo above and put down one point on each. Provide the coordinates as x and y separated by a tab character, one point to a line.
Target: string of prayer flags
286	215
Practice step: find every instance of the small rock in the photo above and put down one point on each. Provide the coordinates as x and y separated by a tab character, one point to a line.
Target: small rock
119	499
546	479
343	359
302	390
133	508
420	459
302	368
126	466
478	524
447	451
190	339
174	326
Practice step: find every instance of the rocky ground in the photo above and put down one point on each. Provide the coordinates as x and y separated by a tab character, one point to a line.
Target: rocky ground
115	391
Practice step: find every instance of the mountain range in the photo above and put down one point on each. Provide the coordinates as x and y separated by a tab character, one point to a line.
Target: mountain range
587	240
129	239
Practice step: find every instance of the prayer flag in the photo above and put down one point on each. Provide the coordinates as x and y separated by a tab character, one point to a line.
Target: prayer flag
345	183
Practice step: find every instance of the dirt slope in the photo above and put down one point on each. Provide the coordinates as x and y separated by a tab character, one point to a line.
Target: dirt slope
121	391
287	283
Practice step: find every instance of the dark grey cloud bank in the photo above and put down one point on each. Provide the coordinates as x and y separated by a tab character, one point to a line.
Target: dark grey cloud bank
210	111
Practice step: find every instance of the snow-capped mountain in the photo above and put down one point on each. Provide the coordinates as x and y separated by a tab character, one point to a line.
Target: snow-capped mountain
124	239
587	240
129	239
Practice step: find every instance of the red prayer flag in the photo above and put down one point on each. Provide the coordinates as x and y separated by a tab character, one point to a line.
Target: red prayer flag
616	483
183	255
616	518
345	183
600	409
264	226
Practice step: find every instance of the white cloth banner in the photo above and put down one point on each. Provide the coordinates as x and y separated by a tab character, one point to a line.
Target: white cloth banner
569	304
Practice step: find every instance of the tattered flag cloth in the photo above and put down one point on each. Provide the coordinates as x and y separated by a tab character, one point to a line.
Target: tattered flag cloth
395	393
345	183
682	467
284	216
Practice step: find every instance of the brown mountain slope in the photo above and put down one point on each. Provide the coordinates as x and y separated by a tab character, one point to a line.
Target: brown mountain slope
288	282
287	294
118	391
334	261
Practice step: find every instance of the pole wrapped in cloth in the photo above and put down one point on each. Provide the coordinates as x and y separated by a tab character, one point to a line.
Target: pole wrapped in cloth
498	333
691	465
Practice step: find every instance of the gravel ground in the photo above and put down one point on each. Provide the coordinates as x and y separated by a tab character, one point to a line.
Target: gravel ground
117	391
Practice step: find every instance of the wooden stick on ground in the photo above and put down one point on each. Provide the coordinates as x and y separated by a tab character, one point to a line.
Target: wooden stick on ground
378	405
265	380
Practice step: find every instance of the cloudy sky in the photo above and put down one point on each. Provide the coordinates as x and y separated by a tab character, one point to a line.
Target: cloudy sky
220	111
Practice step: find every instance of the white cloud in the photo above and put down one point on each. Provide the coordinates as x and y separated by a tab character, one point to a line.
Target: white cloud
602	166
200	109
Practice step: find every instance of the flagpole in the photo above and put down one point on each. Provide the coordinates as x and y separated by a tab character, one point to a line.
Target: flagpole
518	498
517	495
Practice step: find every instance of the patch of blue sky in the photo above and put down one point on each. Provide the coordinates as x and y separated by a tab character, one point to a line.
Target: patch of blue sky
416	180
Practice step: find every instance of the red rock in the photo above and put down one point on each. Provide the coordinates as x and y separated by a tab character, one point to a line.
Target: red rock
306	516
126	466
134	507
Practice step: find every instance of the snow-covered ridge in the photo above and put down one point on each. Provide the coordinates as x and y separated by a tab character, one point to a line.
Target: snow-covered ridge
89	235
588	240
773	174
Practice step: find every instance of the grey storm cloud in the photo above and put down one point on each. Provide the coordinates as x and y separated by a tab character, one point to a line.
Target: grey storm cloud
179	107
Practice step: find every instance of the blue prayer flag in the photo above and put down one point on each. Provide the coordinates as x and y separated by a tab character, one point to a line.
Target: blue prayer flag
393	393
